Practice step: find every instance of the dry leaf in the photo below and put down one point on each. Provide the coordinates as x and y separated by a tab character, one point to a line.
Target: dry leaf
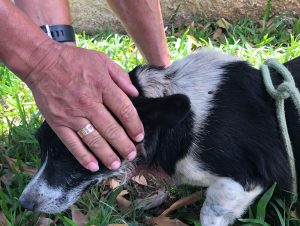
140	179
79	218
44	221
271	21
183	202
294	213
117	225
206	26
6	177
29	170
222	23
113	183
3	220
193	24
193	40
152	201
123	203
13	162
122	193
164	221
218	34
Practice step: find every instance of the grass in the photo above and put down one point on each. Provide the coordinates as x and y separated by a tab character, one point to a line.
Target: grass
19	117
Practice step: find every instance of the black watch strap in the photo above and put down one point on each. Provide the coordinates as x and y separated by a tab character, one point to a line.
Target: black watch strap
60	33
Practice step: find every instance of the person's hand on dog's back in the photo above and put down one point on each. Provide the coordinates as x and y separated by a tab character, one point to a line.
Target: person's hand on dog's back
72	88
75	87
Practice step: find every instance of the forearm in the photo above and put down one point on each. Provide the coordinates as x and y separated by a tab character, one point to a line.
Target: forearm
22	43
143	21
53	12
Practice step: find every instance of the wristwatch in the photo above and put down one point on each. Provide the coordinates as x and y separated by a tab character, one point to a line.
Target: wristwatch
60	33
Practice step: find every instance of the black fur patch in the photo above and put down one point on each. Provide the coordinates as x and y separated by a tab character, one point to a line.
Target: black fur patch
242	140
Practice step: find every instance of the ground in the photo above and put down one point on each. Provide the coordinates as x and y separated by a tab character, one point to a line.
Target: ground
272	37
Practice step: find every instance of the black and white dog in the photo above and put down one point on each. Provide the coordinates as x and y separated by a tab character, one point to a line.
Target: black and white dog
208	121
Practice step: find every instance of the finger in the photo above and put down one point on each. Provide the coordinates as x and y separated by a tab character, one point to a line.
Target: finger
121	78
77	148
102	150
113	133
122	107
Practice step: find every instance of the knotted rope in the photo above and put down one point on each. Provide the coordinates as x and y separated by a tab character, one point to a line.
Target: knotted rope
287	89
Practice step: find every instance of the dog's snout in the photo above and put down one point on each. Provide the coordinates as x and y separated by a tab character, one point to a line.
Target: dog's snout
27	202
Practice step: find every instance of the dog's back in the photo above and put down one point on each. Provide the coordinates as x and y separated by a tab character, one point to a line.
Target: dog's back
293	118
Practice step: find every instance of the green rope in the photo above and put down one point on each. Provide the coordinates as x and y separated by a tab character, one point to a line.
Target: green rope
287	89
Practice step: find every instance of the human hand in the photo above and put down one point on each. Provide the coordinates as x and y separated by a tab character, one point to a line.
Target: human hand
74	87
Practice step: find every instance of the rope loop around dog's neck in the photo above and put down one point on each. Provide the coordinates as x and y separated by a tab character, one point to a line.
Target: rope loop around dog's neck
287	89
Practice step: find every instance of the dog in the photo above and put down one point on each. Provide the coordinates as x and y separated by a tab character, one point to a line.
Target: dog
208	120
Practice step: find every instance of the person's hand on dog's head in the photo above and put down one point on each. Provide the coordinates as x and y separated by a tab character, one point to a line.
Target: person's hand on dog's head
74	87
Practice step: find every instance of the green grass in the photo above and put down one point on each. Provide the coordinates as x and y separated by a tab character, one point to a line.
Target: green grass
274	37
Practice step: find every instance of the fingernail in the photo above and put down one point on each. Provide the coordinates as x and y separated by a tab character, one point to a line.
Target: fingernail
115	165
92	166
134	90
131	155
139	137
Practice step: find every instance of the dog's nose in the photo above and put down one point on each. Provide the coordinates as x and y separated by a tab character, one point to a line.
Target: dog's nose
27	202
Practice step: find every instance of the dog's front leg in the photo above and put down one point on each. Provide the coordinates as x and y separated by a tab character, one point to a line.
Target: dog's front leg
226	200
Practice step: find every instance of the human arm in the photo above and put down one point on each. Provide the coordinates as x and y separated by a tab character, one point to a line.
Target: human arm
143	21
72	87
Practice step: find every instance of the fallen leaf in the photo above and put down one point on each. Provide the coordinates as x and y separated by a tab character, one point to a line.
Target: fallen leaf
199	26
117	225
183	202
13	163
6	177
164	221
271	21
3	220
113	183
192	25
294	213
218	34
193	40
44	221
222	23
122	193
152	201
79	218
206	26
123	203
29	170
140	179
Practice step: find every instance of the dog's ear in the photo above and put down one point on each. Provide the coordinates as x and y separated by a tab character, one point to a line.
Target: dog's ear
164	111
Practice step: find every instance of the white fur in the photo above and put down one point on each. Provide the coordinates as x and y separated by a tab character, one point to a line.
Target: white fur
188	171
195	76
50	199
226	200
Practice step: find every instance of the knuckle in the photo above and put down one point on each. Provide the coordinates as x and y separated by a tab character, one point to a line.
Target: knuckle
129	148
83	100
127	111
99	84
84	158
112	132
95	142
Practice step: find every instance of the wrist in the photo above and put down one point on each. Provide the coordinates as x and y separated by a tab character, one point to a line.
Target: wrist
42	58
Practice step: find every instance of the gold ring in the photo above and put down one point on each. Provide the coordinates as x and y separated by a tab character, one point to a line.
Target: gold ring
85	130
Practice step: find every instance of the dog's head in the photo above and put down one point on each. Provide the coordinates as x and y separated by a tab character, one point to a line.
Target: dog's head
61	180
